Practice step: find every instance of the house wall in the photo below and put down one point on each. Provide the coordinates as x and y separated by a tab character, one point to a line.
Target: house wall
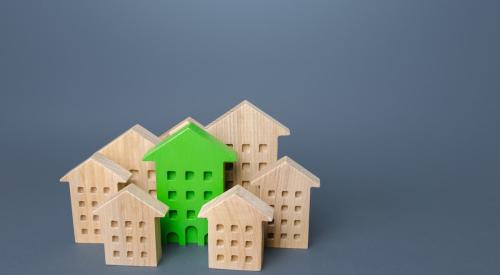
130	230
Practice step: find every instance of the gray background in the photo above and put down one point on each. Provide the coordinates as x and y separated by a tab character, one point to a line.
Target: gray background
393	104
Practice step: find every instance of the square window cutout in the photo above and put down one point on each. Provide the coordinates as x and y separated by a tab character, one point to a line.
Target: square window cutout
207	195
262	148
171	175
245	148
207	175
191	214
172	214
172	195
189	175
189	195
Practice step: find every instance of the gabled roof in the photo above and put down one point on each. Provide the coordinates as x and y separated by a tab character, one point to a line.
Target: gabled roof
245	103
191	128
241	193
106	163
178	126
284	162
140	195
139	130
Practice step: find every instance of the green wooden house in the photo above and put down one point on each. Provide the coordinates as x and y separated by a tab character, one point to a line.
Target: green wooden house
189	173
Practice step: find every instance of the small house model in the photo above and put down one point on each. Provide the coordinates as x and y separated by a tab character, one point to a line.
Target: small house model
190	172
285	185
128	149
235	222
90	183
178	126
131	227
254	136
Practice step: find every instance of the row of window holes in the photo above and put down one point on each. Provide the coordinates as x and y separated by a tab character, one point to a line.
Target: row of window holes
105	190
283	236
82	203
85	231
234	228
285	222
245	148
245	166
128	224
94	218
234	258
128	239
285	207
234	243
189	175
130	254
272	193
172	195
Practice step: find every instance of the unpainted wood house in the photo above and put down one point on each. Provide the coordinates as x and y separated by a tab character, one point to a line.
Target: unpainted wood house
128	149
131	227
90	183
253	134
235	229
179	126
286	186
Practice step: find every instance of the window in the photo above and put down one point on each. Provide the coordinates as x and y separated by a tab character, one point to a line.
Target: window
93	189
271	193
84	231
116	253
114	239
284	193
245	166
94	203
262	165
234	258
83	217
298	208
81	203
171	175
189	195
262	148
189	175
144	254
248	229
95	218
220	243
128	239
207	175
128	224
296	222
142	239
80	189
172	214
207	195
296	236
97	231
130	254
172	195
298	194
105	190
234	228
220	257
248	244
191	214
283	236
284	221
219	228
245	148
141	224
248	259
284	207
234	243
114	224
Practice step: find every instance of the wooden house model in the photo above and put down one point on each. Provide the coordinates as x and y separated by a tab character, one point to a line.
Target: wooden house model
128	149
131	227
235	226
178	126
90	183
285	185
254	136
190	172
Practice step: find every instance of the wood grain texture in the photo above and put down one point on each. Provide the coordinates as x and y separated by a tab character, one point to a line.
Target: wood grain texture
90	183
131	227
286	185
235	230
178	126
253	134
128	149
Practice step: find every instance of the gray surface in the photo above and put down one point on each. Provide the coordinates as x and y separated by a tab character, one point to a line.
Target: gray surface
394	104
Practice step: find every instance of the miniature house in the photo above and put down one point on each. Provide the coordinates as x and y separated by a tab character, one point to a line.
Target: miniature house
128	149
178	126
285	185
254	136
93	181
235	222
190	172
131	227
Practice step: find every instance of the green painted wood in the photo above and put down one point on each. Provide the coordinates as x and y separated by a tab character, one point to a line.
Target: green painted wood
189	173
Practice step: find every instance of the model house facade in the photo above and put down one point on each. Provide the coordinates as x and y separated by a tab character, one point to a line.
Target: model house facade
131	227
235	222
190	172
253	134
286	186
90	183
128	149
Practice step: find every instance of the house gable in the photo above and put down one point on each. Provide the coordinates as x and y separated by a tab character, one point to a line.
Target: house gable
293	170
101	162
178	126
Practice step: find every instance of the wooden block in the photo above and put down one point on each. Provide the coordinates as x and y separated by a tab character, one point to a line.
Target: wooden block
131	227
93	181
128	149
285	185
178	126
253	134
235	229
190	172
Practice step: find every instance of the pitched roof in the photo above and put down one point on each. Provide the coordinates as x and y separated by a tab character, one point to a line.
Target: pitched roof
139	194
103	161
313	180
285	130
193	128
138	129
238	191
178	126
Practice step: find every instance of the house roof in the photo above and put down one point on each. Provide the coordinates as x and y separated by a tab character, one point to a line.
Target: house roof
284	130
103	161
190	127
239	192
312	179
140	195
178	126
138	129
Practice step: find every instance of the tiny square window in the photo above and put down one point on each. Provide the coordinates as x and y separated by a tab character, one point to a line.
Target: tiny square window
207	195
81	203
220	228
171	175
144	254
283	236
284	193
234	258
83	217
80	189
116	253
130	254
191	214
262	165
229	145
271	193
95	218
298	208
189	195
128	239
284	207
97	231
189	175
262	148
248	259
284	222
128	224
207	175
245	166
152	174
245	183
248	228
141	224
93	189
114	239
142	239
172	214
296	222
220	257
296	236
248	244
84	231
234	243
114	224
298	194
94	203
234	228
245	148
152	193
105	190
172	195
220	242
